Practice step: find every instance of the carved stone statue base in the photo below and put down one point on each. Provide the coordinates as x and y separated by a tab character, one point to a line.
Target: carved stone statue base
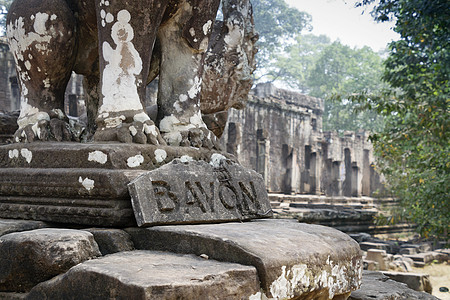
87	184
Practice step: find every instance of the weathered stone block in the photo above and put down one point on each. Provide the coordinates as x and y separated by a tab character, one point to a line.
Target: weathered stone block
10	226
292	259
378	256
113	156
371	245
111	240
377	286
408	251
417	282
197	191
30	257
151	275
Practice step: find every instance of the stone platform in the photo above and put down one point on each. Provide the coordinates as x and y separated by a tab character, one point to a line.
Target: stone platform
87	184
258	259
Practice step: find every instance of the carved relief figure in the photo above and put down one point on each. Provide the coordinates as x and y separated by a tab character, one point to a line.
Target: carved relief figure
119	47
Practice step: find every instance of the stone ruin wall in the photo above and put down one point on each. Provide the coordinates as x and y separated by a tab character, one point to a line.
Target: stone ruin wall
9	90
278	134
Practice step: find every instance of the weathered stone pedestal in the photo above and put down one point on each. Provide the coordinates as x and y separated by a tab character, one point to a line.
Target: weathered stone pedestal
87	184
66	185
259	259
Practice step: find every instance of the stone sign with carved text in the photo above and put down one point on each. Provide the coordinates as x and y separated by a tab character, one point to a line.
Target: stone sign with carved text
198	192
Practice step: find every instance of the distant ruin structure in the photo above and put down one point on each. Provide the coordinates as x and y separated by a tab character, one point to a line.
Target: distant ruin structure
279	135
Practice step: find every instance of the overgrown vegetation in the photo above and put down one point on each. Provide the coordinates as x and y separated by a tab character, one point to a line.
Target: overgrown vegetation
414	147
404	100
316	66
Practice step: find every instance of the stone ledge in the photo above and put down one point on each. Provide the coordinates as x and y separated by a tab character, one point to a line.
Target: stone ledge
292	259
96	155
151	275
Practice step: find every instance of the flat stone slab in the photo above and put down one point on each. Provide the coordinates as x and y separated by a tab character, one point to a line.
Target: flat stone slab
30	257
151	275
96	155
199	192
377	286
10	226
292	259
415	281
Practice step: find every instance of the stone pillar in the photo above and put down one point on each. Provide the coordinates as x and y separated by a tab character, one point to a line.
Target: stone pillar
263	155
286	158
347	184
234	138
355	180
365	189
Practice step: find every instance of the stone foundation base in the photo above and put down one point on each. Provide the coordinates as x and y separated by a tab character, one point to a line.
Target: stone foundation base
259	259
87	184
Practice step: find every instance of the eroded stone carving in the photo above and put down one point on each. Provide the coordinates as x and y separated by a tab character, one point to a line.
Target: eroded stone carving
119	47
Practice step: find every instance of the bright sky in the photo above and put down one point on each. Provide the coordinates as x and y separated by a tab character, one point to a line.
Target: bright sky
338	19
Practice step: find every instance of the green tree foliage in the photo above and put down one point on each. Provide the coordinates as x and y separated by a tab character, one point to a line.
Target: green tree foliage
342	70
414	146
277	25
316	66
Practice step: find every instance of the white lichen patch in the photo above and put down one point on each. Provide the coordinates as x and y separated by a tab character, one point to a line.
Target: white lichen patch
21	41
133	130
172	127
87	183
28	65
27	154
13	153
207	27
160	155
299	279
46	83
183	97
114	122
186	158
258	296
135	161
150	129
216	159
123	65
177	106
98	156
36	130
195	89
141	117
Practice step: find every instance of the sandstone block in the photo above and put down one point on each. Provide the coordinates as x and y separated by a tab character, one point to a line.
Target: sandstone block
151	275
417	282
377	286
408	251
199	192
372	245
30	257
10	225
292	259
111	240
378	256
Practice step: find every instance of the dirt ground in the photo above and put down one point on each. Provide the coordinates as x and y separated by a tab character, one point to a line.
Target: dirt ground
439	276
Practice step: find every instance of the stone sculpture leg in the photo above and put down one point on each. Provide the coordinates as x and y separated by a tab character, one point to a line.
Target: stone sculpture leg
127	31
184	39
42	38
